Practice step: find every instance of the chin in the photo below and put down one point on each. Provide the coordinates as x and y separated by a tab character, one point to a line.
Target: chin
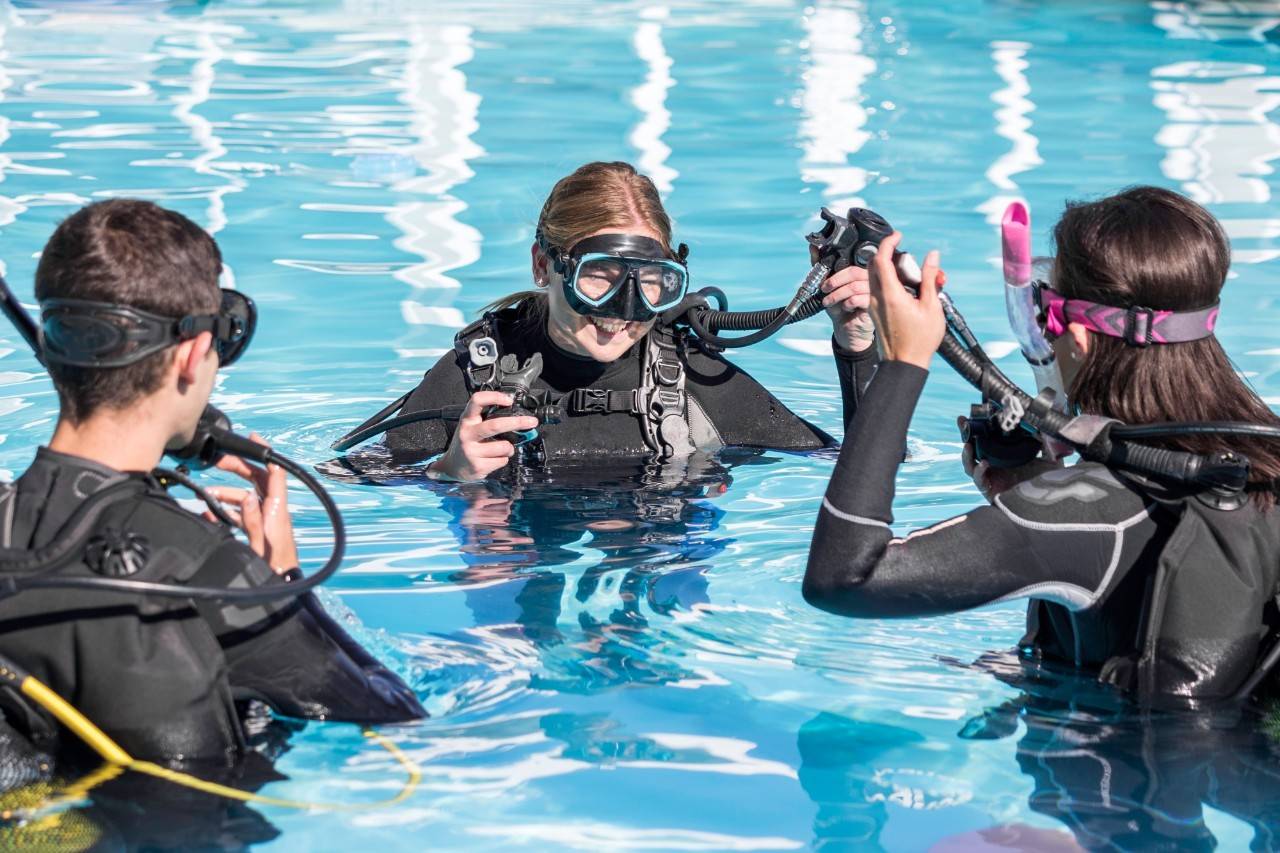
608	340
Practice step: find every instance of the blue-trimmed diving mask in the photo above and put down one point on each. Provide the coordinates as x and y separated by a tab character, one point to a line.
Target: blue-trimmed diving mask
623	276
81	333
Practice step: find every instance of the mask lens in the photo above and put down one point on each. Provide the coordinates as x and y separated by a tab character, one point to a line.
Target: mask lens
238	320
661	285
596	278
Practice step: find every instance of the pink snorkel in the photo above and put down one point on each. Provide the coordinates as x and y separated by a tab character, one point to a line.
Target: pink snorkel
1020	299
1020	304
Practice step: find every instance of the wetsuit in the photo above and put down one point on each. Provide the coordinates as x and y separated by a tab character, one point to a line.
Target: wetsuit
740	410
162	676
1091	549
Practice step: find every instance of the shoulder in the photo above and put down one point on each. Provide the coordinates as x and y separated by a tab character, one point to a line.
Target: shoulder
171	528
1084	496
704	363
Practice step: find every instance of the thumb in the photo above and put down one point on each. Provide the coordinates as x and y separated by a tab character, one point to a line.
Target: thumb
929	279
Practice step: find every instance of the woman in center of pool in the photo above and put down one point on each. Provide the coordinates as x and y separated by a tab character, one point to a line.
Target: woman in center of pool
604	269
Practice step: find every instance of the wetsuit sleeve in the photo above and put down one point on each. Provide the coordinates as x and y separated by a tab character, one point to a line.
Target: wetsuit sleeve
857	568
744	413
443	385
855	370
294	656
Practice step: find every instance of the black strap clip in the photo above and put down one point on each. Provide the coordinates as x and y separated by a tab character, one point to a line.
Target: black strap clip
1137	326
588	400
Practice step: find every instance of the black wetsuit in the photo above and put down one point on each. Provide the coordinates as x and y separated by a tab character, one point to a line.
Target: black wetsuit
742	412
160	675
1087	546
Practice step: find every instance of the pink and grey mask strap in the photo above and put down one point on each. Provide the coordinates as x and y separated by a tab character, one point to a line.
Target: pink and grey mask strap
1138	327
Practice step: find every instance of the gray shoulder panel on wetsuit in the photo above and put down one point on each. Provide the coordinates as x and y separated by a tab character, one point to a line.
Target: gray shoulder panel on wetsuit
1087	494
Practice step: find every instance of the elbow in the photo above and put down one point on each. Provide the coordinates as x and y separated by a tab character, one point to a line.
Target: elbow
822	587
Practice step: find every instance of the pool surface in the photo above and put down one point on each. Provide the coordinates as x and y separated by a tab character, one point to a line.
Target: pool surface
617	661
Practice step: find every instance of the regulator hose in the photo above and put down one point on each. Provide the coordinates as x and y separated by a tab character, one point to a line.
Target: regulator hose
706	322
35	569
1111	443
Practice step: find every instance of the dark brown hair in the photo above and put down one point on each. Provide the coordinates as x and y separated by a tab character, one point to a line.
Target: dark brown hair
592	198
1153	248
132	253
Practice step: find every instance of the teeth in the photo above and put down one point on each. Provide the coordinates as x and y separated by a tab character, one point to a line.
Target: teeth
610	326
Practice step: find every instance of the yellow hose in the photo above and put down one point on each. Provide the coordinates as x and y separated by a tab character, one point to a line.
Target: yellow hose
111	752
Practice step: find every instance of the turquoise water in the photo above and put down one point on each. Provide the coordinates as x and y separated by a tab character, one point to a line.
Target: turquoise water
607	673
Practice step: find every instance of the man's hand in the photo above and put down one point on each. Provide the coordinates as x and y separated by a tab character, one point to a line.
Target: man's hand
261	512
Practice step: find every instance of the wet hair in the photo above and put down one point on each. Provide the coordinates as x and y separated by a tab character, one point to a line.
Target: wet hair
132	253
1154	248
592	198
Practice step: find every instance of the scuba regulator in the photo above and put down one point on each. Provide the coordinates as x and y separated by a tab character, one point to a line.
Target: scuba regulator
488	372
842	241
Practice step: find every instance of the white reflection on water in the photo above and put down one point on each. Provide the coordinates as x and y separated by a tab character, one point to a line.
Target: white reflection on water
1220	142
206	42
651	99
445	115
1013	123
602	836
832	131
1231	20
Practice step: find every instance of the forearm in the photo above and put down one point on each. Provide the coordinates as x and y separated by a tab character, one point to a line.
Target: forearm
855	371
853	525
1062	549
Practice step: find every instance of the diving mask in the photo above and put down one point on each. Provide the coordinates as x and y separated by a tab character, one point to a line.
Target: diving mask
623	276
80	333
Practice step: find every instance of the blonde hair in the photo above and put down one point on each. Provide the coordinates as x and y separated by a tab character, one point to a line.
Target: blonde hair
592	198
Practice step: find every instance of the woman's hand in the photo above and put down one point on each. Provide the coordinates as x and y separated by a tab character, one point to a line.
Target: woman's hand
261	512
910	329
993	482
847	298
475	452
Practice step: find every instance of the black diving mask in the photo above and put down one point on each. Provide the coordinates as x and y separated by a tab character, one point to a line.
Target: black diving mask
623	276
80	333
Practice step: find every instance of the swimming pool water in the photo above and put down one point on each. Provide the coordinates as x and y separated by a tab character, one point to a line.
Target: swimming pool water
607	672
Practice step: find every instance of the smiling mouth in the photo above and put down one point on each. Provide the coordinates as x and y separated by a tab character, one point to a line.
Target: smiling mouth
609	325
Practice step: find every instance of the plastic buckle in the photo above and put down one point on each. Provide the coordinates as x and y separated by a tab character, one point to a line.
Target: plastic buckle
1137	326
590	400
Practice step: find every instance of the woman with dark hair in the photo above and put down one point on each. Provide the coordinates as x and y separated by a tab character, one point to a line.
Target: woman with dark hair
604	269
1148	586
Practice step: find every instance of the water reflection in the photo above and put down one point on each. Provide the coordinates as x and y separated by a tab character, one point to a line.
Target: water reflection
92	807
584	557
575	559
1118	778
1219	137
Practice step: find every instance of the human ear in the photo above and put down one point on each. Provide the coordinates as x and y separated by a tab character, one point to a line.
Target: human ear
190	356
541	266
1079	340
